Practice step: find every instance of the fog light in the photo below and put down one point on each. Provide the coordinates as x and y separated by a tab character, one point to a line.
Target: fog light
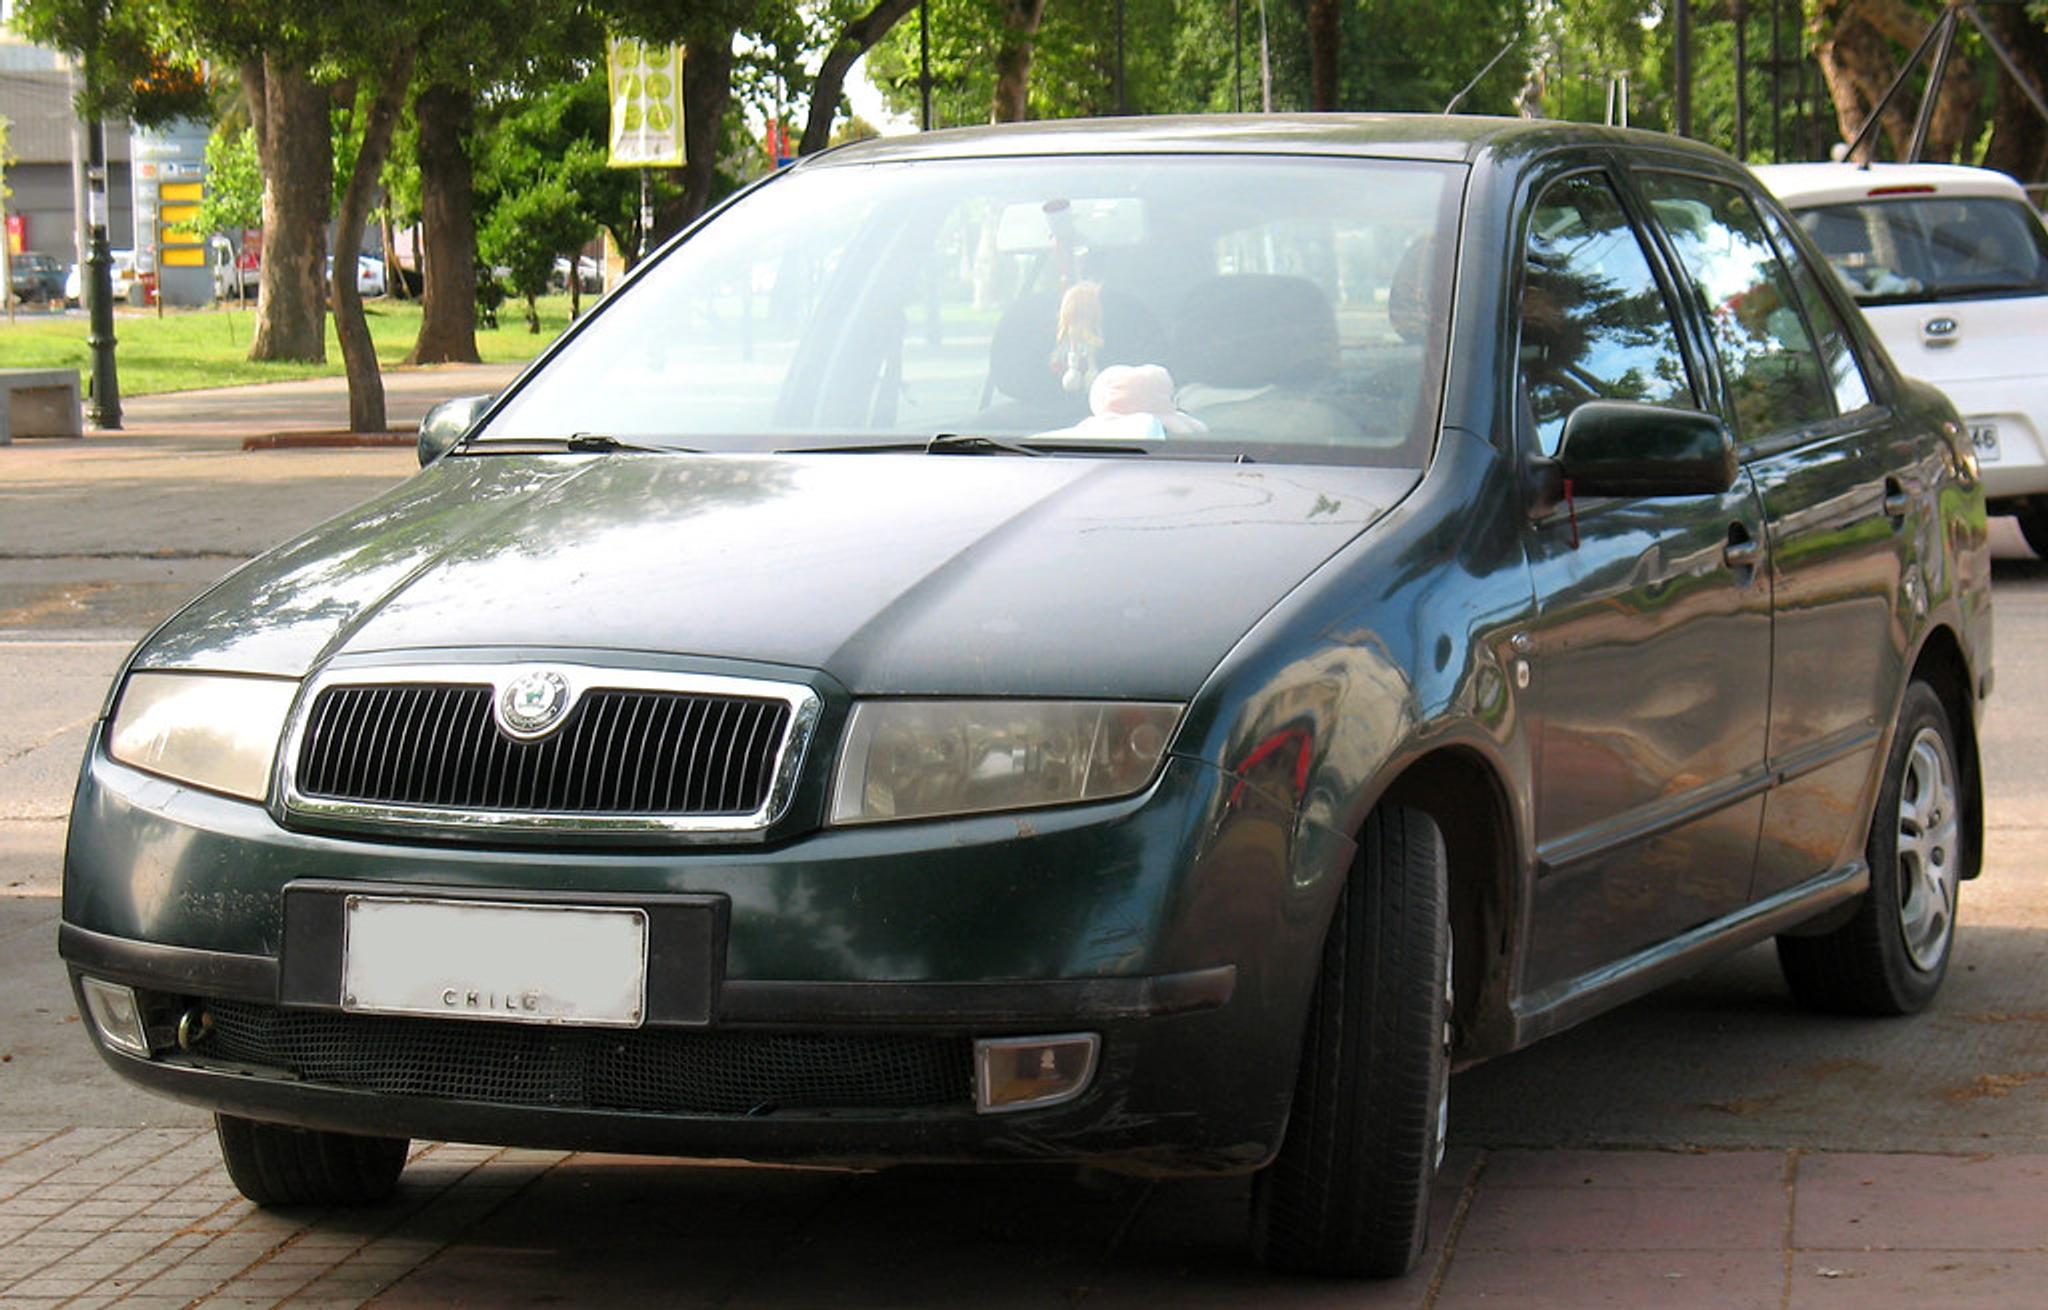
117	1014
1026	1073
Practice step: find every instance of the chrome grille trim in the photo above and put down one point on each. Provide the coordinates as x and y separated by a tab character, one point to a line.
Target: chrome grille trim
490	751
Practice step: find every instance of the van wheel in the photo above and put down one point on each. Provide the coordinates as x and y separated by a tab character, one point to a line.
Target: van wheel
275	1164
1349	1191
1891	957
2033	519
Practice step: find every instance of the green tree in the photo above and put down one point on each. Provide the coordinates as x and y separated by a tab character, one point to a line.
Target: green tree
234	182
527	230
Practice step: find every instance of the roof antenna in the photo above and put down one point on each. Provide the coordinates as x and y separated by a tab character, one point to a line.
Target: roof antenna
1451	106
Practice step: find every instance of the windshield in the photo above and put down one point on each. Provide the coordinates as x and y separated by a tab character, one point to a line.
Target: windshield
1912	250
1213	304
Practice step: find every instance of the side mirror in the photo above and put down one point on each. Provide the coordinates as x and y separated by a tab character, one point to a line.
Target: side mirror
1622	448
448	423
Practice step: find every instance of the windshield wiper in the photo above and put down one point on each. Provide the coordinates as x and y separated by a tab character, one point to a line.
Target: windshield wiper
966	443
976	443
599	443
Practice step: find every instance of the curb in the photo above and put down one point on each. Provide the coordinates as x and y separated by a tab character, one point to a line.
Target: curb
397	437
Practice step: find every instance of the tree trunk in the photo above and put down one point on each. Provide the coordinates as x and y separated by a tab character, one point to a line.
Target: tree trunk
1861	45
1324	27
358	352
394	276
707	90
2019	135
532	316
1856	64
1013	60
826	88
448	217
297	154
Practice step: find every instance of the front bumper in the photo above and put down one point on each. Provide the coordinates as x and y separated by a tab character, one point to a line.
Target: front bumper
1181	927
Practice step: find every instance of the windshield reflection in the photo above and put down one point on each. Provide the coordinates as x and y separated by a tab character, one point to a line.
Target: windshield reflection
1211	304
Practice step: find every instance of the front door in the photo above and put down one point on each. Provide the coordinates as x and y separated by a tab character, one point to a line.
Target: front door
1648	662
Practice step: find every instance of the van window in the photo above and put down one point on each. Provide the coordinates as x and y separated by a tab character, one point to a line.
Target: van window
1905	251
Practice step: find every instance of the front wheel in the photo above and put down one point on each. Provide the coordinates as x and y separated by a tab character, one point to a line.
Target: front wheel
1892	956
1349	1191
275	1164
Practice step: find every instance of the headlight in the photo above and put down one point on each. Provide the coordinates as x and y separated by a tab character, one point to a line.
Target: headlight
211	731
918	759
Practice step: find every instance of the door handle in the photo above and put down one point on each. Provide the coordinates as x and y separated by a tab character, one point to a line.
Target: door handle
1897	500
1739	554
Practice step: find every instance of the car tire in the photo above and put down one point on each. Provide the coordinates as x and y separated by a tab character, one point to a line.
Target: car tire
1891	956
1348	1192
2033	520
276	1164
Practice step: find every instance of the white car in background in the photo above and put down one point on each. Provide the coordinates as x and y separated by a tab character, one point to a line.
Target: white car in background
1950	265
369	274
121	277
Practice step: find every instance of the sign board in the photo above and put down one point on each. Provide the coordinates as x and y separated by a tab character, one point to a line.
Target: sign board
167	172
647	104
17	233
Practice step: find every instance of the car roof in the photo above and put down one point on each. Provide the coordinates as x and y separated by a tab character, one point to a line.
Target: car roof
1825	184
1447	137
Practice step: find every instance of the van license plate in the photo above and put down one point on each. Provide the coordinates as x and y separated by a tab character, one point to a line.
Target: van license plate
510	962
1984	436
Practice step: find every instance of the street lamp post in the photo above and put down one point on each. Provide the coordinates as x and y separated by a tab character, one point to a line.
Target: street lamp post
99	283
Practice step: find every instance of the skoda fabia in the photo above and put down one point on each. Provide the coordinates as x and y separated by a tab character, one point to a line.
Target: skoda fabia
1141	644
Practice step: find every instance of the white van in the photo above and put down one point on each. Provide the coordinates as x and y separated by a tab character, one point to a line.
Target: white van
1950	265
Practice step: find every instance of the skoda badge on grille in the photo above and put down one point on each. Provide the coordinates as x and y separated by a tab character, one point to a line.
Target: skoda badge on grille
532	704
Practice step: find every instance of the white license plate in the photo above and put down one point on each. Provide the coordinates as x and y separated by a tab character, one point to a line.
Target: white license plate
492	960
1984	436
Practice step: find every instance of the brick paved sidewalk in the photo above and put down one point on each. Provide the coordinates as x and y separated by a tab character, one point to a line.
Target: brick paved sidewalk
147	1218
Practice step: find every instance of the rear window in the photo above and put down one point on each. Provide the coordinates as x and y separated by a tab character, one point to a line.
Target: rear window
1906	251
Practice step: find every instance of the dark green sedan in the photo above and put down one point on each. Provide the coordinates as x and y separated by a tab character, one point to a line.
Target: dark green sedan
1142	644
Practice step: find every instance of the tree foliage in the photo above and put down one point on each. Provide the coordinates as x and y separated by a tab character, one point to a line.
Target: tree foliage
234	182
527	230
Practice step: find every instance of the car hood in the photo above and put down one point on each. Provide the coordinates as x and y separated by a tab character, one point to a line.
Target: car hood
895	574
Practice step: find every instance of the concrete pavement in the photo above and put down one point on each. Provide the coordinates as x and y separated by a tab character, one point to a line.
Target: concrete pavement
1709	1145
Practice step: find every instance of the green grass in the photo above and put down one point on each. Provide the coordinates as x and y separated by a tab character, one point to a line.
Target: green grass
191	348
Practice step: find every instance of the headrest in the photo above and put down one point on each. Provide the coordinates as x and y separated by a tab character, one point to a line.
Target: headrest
1254	330
1020	352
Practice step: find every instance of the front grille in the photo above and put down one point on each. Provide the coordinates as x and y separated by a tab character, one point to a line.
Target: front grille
632	752
650	1070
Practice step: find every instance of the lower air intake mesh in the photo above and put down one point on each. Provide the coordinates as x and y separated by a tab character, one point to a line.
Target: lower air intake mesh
650	1070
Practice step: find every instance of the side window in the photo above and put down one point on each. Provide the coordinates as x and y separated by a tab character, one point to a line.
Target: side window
1773	369
1844	373
1595	325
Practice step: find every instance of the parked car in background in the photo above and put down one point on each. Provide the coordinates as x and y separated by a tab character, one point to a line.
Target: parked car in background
1950	264
35	278
589	271
370	279
1136	643
121	274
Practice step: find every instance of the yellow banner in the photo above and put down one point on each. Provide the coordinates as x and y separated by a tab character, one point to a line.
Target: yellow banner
180	190
184	257
647	104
